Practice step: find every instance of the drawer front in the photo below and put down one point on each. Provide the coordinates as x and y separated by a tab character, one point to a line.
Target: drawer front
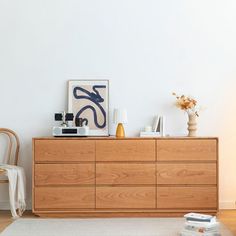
197	173
117	173
64	150
64	197
182	150
125	150
186	198
125	197
64	174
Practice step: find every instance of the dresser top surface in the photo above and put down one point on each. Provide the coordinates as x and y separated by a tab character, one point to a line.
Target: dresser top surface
126	138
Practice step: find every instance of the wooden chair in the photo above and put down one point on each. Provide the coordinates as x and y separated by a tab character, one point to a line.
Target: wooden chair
12	150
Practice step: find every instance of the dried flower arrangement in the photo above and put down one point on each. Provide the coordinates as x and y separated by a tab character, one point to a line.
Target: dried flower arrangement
187	104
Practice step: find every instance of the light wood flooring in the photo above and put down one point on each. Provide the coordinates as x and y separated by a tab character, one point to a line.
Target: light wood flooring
228	217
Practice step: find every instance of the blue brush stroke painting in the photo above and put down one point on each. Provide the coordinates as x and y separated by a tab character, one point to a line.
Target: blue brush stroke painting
96	99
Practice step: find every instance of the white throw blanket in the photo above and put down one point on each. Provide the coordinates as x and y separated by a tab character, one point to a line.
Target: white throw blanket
16	177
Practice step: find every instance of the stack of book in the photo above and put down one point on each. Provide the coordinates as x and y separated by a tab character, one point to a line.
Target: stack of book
157	129
200	225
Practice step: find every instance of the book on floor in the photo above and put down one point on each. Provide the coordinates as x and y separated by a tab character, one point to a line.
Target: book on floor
200	225
199	217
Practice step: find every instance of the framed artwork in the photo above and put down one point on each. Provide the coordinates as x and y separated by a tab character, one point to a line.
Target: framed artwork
89	101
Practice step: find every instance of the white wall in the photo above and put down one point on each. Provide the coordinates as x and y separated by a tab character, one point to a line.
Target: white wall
149	48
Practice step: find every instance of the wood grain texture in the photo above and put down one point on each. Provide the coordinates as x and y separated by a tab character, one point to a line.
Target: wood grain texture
116	173
125	150
186	197
187	150
64	150
125	197
64	174
64	197
188	173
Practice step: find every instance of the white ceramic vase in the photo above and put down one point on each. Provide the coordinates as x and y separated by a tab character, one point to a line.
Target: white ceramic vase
192	125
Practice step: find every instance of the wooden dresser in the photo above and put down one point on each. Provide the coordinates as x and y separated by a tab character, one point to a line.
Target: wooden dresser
124	177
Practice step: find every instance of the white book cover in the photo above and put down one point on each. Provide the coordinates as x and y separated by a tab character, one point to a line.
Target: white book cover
198	216
204	225
162	125
155	123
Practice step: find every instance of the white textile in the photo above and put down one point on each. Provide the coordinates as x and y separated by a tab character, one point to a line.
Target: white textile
16	177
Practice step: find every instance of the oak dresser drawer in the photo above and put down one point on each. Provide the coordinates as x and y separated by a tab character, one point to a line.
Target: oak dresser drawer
64	150
125	197
187	150
128	173
188	173
64	174
125	150
186	197
64	197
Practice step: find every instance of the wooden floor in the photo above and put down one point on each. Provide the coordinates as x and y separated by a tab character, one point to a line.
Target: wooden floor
228	217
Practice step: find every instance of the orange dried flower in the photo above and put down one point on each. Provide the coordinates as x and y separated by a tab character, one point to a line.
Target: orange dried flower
186	103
